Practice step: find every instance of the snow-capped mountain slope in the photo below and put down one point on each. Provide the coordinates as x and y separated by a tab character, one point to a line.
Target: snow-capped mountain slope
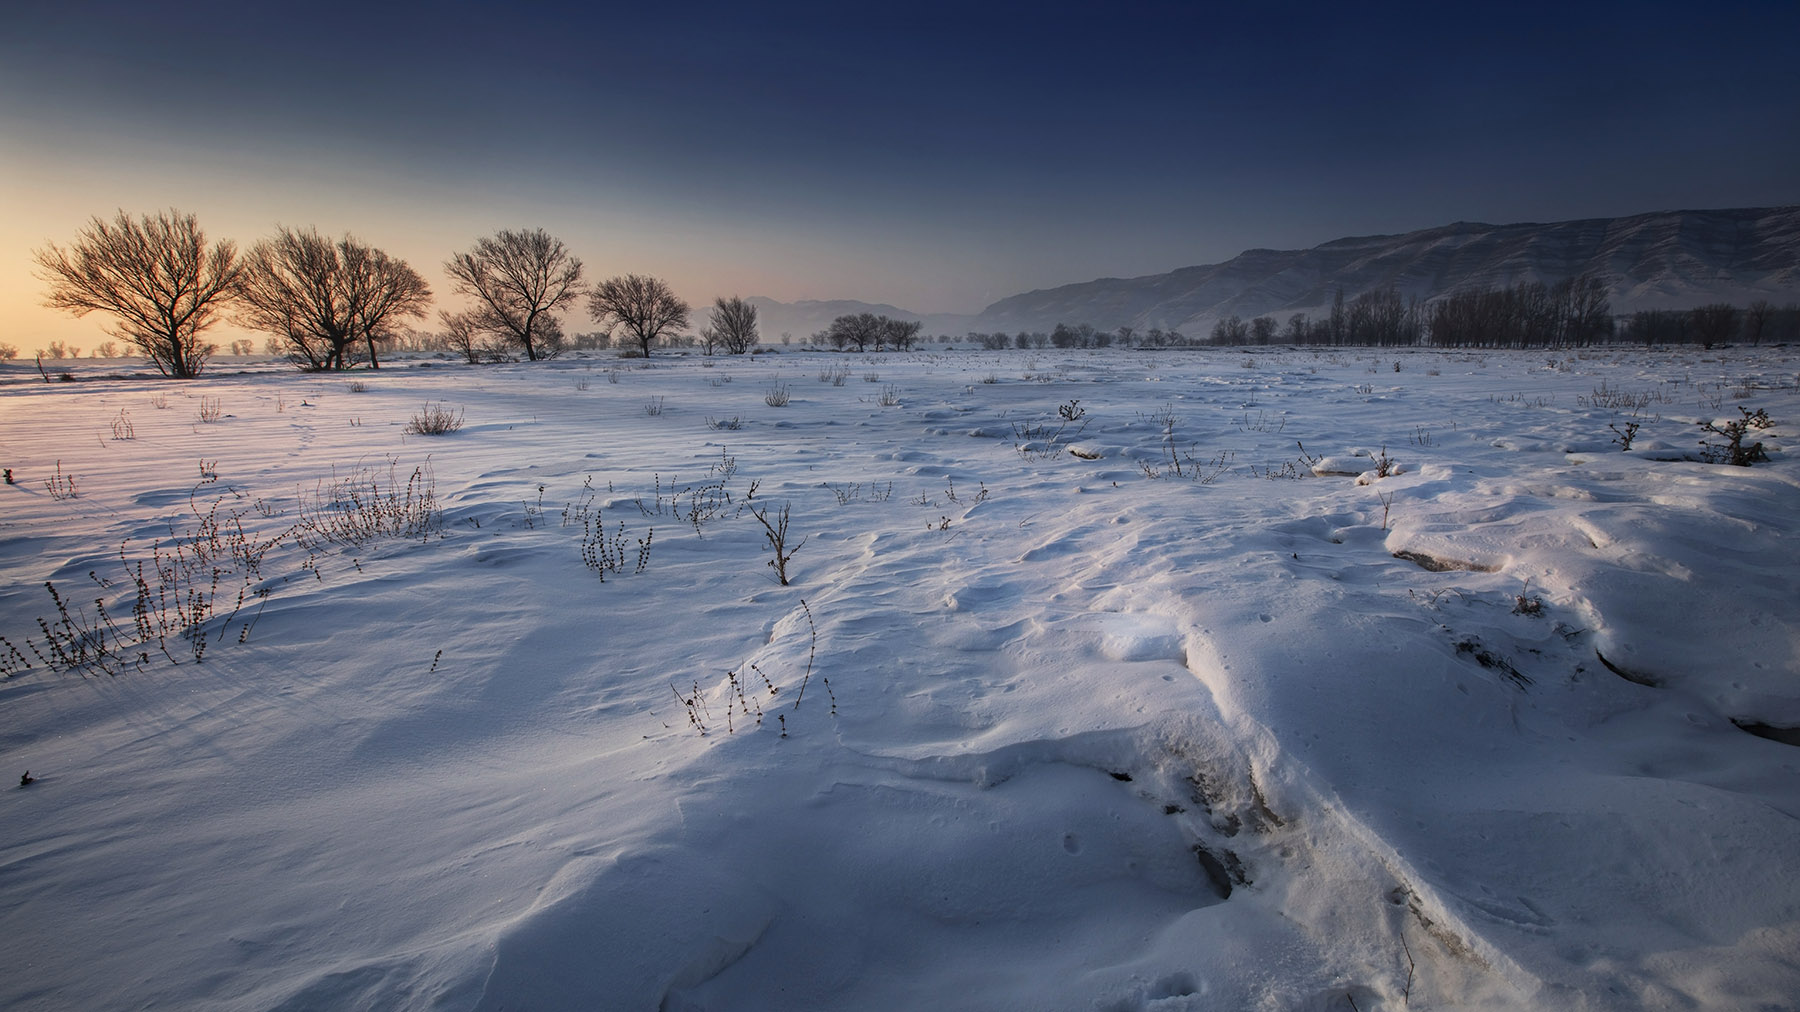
1672	259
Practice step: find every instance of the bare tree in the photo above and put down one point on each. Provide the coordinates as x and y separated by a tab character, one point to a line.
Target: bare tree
156	274
1715	323
733	325
1589	317
461	334
322	297
901	334
384	290
518	280
709	339
645	306
1756	319
289	289
853	328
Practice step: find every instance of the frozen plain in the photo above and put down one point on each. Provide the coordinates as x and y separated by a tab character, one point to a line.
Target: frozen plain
1073	737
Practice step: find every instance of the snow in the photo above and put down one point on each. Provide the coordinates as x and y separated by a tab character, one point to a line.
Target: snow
1476	734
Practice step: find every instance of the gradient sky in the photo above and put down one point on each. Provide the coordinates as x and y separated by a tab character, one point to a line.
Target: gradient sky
933	156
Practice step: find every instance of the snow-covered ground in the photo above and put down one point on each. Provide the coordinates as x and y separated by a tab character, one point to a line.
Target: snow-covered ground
1073	736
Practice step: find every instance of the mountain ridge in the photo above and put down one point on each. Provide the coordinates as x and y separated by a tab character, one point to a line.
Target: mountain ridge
1652	260
1656	260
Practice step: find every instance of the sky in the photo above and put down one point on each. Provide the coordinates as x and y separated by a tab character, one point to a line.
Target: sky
933	156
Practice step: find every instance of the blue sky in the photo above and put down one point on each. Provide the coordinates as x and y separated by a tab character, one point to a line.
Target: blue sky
934	156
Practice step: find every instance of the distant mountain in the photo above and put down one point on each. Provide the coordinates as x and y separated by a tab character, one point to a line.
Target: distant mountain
1665	260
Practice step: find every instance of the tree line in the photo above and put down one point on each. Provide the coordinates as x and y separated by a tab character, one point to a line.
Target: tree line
331	304
1570	313
865	329
1716	323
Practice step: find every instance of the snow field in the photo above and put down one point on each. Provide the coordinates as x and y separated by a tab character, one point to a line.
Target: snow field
1072	736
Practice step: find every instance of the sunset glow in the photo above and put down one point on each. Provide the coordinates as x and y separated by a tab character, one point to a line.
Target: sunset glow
927	157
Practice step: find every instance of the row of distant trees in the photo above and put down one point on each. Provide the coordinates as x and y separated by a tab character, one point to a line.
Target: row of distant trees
1571	313
1082	335
1531	314
866	330
330	304
1717	323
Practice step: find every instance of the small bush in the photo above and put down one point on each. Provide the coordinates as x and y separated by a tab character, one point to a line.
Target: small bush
169	597
1184	464
776	396
60	485
775	532
1734	451
1040	442
367	505
605	553
434	420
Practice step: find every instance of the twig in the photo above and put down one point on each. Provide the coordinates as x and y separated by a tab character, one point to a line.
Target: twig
1406	992
810	651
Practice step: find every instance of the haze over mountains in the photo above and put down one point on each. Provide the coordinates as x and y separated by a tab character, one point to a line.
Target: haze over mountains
1662	260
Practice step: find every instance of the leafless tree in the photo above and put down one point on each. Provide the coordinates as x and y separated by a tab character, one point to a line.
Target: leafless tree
1715	323
645	306
1756	319
852	328
709	339
322	297
462	334
518	280
900	334
157	274
384	291
733	325
290	289
1589	314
